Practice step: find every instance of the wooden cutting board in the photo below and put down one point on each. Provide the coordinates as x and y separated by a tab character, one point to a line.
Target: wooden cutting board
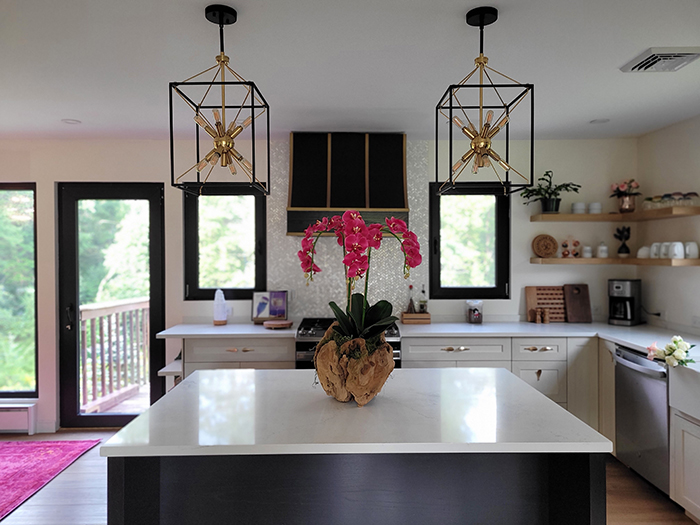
578	303
551	297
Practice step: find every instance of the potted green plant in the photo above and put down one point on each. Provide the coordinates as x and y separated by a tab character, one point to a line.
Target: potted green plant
548	193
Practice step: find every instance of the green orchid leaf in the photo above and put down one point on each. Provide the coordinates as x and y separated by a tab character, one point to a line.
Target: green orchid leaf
378	312
343	320
378	327
357	307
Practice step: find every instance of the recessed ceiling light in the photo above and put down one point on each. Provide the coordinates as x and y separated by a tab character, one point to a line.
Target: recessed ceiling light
71	121
600	121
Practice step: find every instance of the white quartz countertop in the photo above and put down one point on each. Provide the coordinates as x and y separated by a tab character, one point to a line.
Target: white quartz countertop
209	331
446	410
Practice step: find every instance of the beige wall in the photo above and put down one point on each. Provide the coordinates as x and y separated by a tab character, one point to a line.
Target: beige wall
669	160
594	164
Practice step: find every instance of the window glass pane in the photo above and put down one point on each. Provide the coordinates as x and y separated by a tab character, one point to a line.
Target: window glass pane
17	292
227	241
468	241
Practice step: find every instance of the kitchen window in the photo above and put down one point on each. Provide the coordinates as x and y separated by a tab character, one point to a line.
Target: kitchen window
18	322
469	243
225	244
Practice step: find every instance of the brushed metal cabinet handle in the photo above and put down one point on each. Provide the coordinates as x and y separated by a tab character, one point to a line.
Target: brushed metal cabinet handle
538	374
462	348
249	349
232	349
546	349
531	348
447	349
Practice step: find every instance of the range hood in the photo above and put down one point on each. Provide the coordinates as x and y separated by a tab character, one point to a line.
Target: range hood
331	172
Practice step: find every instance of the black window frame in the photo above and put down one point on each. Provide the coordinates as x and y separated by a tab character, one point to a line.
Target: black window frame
29	394
192	291
503	204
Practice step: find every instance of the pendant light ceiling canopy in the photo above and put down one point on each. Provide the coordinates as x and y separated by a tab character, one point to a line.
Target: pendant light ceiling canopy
230	125
473	124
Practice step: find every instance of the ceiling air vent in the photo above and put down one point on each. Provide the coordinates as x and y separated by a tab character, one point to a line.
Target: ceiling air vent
662	60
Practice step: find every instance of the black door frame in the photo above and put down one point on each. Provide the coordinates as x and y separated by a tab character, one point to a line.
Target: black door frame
68	194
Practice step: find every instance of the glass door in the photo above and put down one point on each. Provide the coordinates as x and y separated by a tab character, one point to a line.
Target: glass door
111	301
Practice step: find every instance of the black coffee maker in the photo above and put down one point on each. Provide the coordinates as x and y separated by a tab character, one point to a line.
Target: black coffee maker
625	302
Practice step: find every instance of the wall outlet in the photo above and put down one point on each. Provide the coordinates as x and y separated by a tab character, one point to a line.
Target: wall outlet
696	321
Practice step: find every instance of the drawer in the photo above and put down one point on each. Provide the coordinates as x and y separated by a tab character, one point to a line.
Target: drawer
191	367
269	365
549	377
238	349
539	349
455	349
485	364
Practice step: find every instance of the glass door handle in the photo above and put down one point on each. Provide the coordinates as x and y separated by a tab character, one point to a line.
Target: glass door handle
69	315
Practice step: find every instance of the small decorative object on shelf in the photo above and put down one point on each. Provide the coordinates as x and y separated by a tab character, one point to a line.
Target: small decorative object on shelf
674	353
221	311
353	359
623	235
570	248
423	302
625	191
602	251
411	309
547	193
545	246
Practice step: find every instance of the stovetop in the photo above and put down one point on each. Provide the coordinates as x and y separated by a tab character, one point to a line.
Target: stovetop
313	328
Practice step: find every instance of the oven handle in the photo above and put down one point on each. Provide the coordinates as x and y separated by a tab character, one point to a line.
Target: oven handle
639	368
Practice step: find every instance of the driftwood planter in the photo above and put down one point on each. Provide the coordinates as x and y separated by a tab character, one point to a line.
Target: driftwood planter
345	377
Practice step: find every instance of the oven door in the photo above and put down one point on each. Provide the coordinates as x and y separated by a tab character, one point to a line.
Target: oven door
305	351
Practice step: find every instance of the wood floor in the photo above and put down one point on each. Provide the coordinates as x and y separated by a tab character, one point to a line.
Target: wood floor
78	496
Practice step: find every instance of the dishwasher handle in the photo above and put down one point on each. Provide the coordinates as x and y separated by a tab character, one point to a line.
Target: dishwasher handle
656	374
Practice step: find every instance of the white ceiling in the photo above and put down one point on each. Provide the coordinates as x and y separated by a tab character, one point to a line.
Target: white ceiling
340	65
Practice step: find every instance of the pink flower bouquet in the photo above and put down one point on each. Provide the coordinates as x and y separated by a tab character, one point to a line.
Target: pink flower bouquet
358	240
625	188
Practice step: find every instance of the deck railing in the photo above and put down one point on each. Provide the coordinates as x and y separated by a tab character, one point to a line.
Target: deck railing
114	352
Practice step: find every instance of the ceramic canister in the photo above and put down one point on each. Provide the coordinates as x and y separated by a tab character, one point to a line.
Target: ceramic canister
664	252
655	250
676	250
691	250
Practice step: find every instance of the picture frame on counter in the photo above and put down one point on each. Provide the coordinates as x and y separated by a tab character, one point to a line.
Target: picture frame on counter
269	305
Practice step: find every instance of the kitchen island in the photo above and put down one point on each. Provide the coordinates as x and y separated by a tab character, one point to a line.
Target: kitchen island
456	445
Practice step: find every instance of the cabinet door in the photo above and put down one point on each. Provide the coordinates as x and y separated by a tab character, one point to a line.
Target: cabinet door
239	349
549	377
582	379
455	349
428	364
606	390
485	364
268	365
539	349
685	462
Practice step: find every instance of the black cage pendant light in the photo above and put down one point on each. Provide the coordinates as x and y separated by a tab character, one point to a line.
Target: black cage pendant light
231	125
474	123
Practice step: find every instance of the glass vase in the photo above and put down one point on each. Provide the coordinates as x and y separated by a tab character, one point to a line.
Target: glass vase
626	203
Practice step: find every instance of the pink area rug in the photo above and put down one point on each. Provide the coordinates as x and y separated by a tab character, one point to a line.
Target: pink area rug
26	466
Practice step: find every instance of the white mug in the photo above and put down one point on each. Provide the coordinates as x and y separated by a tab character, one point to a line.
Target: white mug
691	250
676	250
664	252
643	252
655	250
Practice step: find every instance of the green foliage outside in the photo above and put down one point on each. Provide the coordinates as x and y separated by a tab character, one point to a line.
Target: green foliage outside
227	241
17	289
468	241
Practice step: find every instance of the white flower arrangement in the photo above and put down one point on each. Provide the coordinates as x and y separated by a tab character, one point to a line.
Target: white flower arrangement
674	353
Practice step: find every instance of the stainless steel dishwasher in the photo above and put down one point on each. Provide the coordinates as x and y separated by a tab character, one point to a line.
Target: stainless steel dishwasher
641	416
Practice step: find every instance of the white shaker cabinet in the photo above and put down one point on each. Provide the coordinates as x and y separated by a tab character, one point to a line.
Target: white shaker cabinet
548	377
257	352
455	349
606	390
685	462
582	379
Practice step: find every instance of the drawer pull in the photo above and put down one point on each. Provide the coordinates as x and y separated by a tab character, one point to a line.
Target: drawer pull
538	374
448	349
462	348
232	349
531	348
248	349
546	349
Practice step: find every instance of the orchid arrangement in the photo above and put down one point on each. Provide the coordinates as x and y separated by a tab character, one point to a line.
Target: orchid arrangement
358	240
674	353
625	188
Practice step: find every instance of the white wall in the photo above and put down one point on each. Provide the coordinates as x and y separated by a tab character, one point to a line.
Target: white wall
669	160
594	164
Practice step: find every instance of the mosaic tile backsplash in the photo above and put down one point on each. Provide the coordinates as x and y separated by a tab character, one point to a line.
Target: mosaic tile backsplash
386	279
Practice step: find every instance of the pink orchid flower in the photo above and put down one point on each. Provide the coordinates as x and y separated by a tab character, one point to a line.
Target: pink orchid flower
396	225
652	349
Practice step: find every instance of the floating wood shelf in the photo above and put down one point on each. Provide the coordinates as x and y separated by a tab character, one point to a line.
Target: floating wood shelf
646	215
633	262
